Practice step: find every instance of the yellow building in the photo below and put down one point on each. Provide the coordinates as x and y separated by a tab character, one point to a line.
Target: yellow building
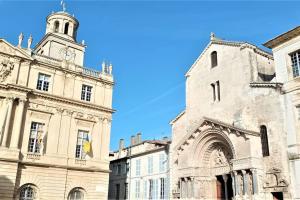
55	117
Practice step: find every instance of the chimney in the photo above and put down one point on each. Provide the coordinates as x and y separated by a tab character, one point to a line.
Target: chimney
121	144
138	138
132	140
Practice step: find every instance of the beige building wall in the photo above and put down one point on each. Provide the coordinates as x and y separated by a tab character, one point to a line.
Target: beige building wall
283	46
247	101
54	170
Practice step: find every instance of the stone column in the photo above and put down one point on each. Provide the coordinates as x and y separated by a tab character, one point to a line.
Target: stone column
192	187
237	186
254	181
225	178
245	182
233	183
18	121
10	101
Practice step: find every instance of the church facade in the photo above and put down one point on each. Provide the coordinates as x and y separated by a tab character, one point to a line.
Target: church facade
55	117
230	142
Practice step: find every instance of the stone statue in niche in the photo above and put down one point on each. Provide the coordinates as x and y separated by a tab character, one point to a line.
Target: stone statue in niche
5	69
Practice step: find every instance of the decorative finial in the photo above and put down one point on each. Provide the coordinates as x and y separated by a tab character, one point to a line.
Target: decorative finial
29	42
212	36
21	37
63	4
82	42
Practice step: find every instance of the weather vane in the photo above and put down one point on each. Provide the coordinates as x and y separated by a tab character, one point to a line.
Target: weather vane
63	4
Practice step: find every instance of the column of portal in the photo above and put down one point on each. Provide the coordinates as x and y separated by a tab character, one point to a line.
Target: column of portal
254	181
225	178
233	183
245	182
10	101
19	119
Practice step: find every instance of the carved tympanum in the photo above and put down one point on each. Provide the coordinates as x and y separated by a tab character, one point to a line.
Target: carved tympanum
220	157
5	69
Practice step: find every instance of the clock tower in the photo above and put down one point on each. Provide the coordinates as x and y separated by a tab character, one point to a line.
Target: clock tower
60	41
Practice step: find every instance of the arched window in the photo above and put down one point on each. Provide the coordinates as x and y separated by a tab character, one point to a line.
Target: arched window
264	140
66	28
76	194
27	192
56	26
214	59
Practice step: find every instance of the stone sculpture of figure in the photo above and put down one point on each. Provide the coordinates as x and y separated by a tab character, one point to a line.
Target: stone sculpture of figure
212	36
103	67
220	158
241	184
110	68
250	184
29	42
21	37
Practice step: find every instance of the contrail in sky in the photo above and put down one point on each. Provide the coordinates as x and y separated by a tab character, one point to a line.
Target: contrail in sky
155	99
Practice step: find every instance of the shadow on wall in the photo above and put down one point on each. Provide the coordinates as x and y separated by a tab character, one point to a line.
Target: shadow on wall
6	188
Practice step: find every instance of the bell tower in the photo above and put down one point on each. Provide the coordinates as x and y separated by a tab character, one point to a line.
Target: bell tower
60	41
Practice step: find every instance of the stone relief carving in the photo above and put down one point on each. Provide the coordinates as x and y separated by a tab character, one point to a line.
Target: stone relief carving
220	157
241	183
274	178
5	69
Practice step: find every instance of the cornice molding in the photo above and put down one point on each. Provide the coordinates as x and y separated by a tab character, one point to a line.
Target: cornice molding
56	98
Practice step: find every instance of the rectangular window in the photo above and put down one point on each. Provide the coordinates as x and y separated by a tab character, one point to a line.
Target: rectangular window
162	162
150	189
218	90
35	137
86	93
126	191
295	57
155	189
138	167
162	188
137	189
150	165
119	169
43	82
82	137
214	91
145	189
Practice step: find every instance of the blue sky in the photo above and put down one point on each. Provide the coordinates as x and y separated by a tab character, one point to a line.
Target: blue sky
151	45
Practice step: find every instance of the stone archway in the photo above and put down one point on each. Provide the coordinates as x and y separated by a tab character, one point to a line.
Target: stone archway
215	152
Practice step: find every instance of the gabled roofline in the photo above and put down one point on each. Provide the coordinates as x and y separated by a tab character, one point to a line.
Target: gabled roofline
284	37
230	43
177	117
219	125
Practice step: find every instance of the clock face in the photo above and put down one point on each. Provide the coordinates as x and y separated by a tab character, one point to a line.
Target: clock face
67	54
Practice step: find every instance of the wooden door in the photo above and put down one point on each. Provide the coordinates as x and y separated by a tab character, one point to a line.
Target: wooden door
219	190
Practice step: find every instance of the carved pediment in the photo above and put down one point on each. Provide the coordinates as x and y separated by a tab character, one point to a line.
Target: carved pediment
214	124
7	48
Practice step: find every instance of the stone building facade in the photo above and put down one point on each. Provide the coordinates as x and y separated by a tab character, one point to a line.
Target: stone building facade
230	142
55	117
141	170
286	50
